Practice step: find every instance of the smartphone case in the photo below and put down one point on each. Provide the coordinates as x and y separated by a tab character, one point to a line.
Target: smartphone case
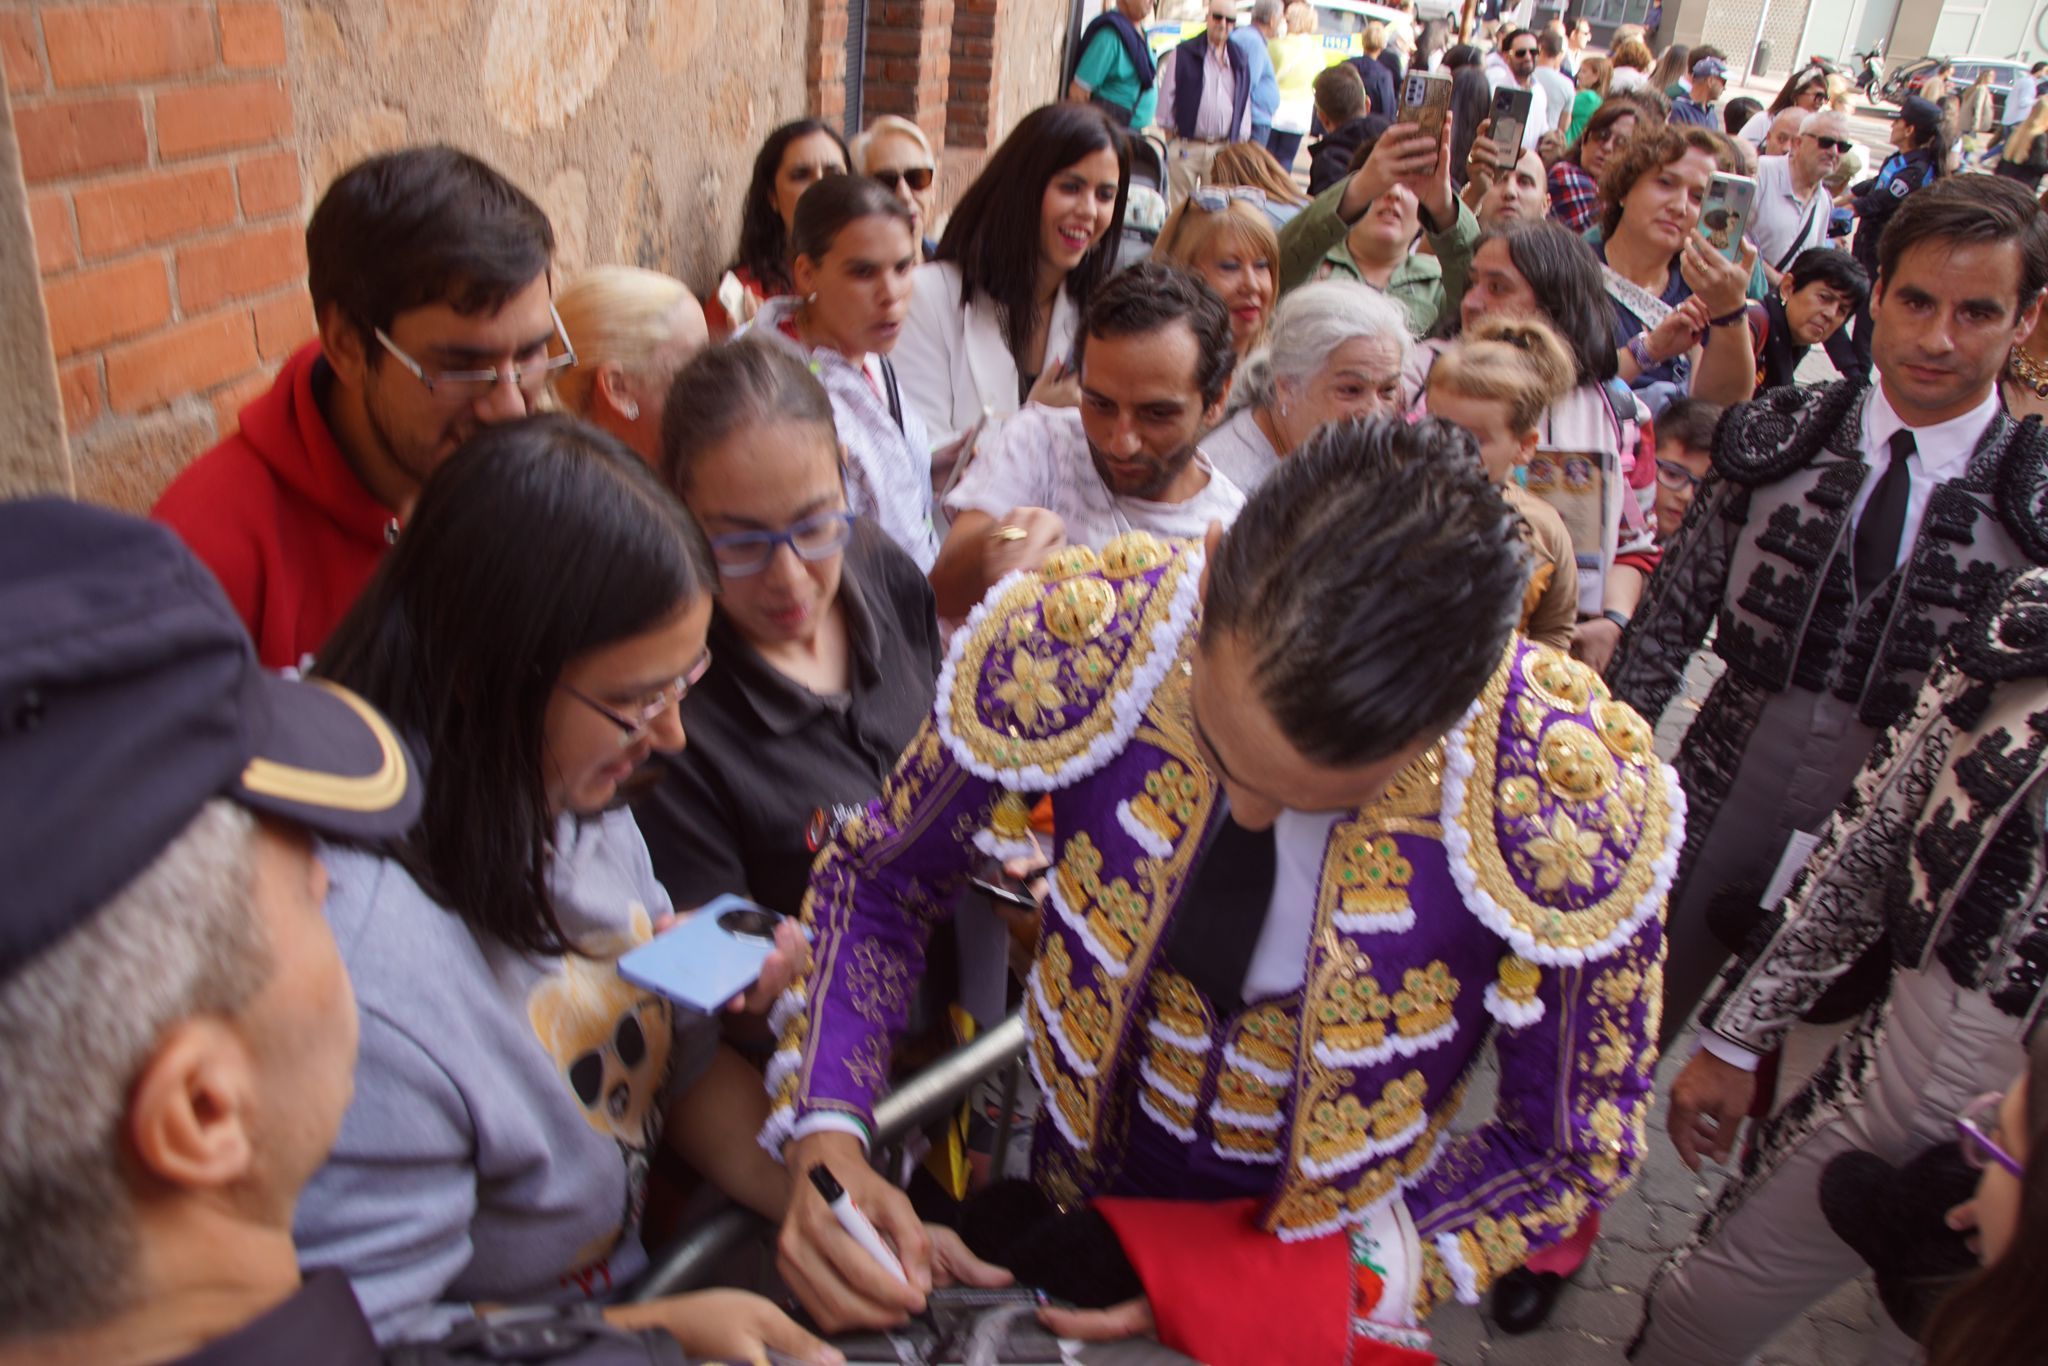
1725	212
701	963
1510	117
1425	100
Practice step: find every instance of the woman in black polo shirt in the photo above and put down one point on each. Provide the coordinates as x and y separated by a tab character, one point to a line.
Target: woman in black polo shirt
824	633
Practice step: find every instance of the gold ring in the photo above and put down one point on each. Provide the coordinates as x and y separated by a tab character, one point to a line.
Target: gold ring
1008	533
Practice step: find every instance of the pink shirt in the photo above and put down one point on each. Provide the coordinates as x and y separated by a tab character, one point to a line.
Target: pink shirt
1219	86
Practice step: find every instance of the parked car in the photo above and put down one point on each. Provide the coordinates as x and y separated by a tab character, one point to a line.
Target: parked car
1338	24
1908	77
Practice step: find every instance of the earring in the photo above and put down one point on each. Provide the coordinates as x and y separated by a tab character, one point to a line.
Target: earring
631	408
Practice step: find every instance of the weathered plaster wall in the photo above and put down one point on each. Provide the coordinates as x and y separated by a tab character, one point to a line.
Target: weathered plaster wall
634	122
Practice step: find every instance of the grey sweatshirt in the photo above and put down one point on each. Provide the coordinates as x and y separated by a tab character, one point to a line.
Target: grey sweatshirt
505	1106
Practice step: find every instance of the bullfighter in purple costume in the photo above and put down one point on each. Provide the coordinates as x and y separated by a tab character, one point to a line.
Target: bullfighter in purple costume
1506	875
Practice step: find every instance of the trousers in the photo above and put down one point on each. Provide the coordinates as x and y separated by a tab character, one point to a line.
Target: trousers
1893	1088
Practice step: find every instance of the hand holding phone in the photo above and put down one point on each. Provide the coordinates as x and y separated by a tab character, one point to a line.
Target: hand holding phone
707	959
1725	212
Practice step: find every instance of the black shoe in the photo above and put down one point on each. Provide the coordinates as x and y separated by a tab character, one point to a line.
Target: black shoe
1523	1299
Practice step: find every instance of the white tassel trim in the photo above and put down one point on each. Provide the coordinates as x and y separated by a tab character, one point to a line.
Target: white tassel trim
1193	1043
1513	1014
1052	1104
1152	1112
788	1006
1049	1020
1238	1119
1358	1157
1266	1074
1271	1159
1459	767
1463	1278
1143	835
775	1133
1126	707
996	847
1096	948
1377	922
785	1061
1166	1088
1395	1044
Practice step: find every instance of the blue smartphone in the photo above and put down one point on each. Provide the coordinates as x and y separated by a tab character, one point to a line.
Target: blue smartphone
710	957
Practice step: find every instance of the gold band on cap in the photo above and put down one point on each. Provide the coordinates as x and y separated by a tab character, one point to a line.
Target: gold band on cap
377	791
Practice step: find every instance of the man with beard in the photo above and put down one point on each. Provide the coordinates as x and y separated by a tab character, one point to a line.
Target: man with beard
429	275
1155	362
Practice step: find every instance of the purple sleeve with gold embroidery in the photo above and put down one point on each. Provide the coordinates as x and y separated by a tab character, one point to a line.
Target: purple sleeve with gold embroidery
1564	835
874	896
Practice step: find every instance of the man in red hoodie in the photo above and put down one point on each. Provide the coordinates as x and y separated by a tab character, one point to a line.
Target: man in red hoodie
429	275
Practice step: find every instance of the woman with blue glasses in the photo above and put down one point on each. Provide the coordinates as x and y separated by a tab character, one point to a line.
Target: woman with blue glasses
824	634
1996	1318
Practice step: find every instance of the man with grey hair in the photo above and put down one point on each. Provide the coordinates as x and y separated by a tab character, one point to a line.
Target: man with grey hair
1783	132
1252	40
1792	203
177	1032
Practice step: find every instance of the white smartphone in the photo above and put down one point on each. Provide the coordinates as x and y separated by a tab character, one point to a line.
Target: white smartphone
1725	212
711	957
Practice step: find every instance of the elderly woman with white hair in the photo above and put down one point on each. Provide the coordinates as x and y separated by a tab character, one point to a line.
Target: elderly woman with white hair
633	330
1336	350
896	152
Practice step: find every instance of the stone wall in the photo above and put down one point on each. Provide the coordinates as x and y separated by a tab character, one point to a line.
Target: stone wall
172	150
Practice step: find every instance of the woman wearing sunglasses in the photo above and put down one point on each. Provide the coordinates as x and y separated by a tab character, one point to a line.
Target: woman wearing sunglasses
855	252
824	633
1996	1318
1223	235
532	635
896	152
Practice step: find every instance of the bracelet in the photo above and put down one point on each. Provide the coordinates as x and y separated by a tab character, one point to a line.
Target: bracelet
1639	347
1617	617
1730	319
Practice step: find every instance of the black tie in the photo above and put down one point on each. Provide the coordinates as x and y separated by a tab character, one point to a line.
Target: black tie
1884	518
1221	911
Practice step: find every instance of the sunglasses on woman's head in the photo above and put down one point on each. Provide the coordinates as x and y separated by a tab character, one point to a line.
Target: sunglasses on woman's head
919	178
1217	198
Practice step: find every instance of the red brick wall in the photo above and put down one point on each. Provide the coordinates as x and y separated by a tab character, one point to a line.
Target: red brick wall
908	60
972	75
165	201
825	60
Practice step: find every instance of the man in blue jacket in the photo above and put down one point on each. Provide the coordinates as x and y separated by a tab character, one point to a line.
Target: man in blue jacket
1251	40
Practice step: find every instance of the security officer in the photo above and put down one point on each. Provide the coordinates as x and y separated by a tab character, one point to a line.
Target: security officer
176	1030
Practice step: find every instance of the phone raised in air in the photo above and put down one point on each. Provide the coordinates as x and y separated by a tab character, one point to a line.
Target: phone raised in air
1425	100
1725	212
1510	119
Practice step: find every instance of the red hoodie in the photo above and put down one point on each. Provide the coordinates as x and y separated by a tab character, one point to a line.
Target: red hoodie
280	517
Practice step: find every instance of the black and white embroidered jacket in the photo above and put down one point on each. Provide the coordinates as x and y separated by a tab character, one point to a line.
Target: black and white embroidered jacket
1766	549
1941	842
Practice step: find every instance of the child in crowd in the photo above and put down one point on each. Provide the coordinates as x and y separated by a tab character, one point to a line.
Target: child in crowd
1685	451
1496	384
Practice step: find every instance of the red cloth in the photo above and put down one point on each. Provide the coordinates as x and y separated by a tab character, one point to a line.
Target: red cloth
1226	1292
1562	1259
281	518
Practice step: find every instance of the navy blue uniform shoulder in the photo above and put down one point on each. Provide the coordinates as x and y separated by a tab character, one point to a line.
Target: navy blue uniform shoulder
1780	430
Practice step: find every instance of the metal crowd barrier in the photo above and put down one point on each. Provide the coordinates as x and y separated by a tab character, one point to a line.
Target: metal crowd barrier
688	1262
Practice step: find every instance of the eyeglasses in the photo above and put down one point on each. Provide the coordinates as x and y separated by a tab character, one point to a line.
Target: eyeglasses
470	386
1677	477
1217	198
919	178
1978	1149
1841	145
1230	19
814	538
636	723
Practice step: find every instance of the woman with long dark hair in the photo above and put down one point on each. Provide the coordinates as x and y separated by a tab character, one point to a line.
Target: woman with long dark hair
992	316
531	634
1806	88
855	254
796	156
1995	1318
1543	271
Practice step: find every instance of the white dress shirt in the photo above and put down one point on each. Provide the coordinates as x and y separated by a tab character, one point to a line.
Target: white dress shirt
1774	227
1279	961
1941	453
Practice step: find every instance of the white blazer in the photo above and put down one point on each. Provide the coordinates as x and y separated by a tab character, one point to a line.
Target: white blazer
952	361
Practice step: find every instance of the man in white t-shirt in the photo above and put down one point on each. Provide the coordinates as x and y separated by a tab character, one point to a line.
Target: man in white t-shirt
1558	89
1792	202
1155	361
